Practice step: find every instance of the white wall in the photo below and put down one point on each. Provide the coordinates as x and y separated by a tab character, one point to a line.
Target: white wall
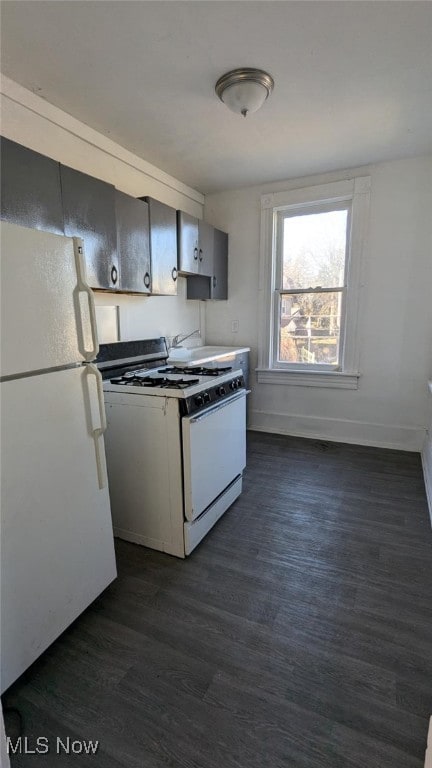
390	406
31	121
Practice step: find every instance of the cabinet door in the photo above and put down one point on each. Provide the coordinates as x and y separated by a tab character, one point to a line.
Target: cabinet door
30	188
219	279
163	247
89	212
133	245
205	248
187	235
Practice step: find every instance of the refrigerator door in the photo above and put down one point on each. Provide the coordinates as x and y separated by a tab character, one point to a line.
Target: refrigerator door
57	551
47	311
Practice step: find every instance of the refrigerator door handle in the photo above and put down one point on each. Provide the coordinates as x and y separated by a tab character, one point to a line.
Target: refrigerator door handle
87	353
98	431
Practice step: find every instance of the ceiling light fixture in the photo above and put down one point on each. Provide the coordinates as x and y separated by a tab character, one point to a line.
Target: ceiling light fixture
244	90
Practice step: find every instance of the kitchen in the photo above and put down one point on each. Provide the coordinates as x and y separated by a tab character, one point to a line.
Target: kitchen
389	409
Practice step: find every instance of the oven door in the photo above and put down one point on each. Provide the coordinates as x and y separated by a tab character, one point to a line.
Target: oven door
214	452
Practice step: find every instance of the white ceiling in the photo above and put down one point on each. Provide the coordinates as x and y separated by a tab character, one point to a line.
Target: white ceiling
352	80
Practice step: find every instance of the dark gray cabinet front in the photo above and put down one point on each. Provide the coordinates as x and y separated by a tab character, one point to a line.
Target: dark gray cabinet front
133	245
219	278
89	212
30	188
216	286
187	239
205	247
195	245
163	247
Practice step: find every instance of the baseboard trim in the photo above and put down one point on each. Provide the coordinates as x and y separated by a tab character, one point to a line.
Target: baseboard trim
397	437
426	456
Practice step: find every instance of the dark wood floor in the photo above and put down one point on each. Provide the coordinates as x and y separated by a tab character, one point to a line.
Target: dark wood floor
298	634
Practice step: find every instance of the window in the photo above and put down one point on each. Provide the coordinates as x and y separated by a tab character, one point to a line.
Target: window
312	242
311	248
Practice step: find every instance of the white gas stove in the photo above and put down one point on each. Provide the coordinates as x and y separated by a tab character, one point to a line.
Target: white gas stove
175	442
197	390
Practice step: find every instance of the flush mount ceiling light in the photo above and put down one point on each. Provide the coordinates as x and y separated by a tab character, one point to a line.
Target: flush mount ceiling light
244	90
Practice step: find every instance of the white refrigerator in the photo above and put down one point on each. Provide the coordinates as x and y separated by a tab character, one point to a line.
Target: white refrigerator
57	550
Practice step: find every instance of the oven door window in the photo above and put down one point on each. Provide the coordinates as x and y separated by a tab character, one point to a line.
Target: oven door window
214	452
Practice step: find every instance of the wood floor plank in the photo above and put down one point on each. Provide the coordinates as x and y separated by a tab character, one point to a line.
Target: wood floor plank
297	635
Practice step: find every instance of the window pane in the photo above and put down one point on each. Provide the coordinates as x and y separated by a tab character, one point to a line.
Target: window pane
313	253
309	329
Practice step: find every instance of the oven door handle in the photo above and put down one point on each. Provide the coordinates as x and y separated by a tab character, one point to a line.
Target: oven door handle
218	406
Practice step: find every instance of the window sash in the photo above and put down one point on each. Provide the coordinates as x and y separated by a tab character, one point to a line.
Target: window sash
314	206
318	289
337	366
305	210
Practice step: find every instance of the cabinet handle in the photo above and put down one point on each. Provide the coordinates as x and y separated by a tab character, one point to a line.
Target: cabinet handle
195	254
214	281
200	254
174	274
114	275
147	280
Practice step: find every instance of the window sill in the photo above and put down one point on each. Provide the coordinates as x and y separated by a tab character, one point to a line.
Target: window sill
330	379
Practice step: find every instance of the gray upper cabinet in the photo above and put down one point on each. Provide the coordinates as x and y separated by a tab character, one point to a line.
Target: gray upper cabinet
133	245
205	247
163	247
219	278
215	286
30	188
187	240
195	245
89	212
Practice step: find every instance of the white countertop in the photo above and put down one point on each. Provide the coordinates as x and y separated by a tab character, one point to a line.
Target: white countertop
202	355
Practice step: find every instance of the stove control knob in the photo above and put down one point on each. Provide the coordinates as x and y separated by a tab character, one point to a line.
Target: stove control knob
199	400
206	397
220	391
233	384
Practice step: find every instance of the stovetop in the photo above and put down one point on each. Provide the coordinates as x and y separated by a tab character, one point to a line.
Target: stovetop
168	377
154	378
162	381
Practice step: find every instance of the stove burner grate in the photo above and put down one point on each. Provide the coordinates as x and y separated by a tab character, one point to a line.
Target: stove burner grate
134	380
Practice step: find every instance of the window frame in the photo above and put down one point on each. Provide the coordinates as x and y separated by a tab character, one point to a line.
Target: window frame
354	192
278	290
